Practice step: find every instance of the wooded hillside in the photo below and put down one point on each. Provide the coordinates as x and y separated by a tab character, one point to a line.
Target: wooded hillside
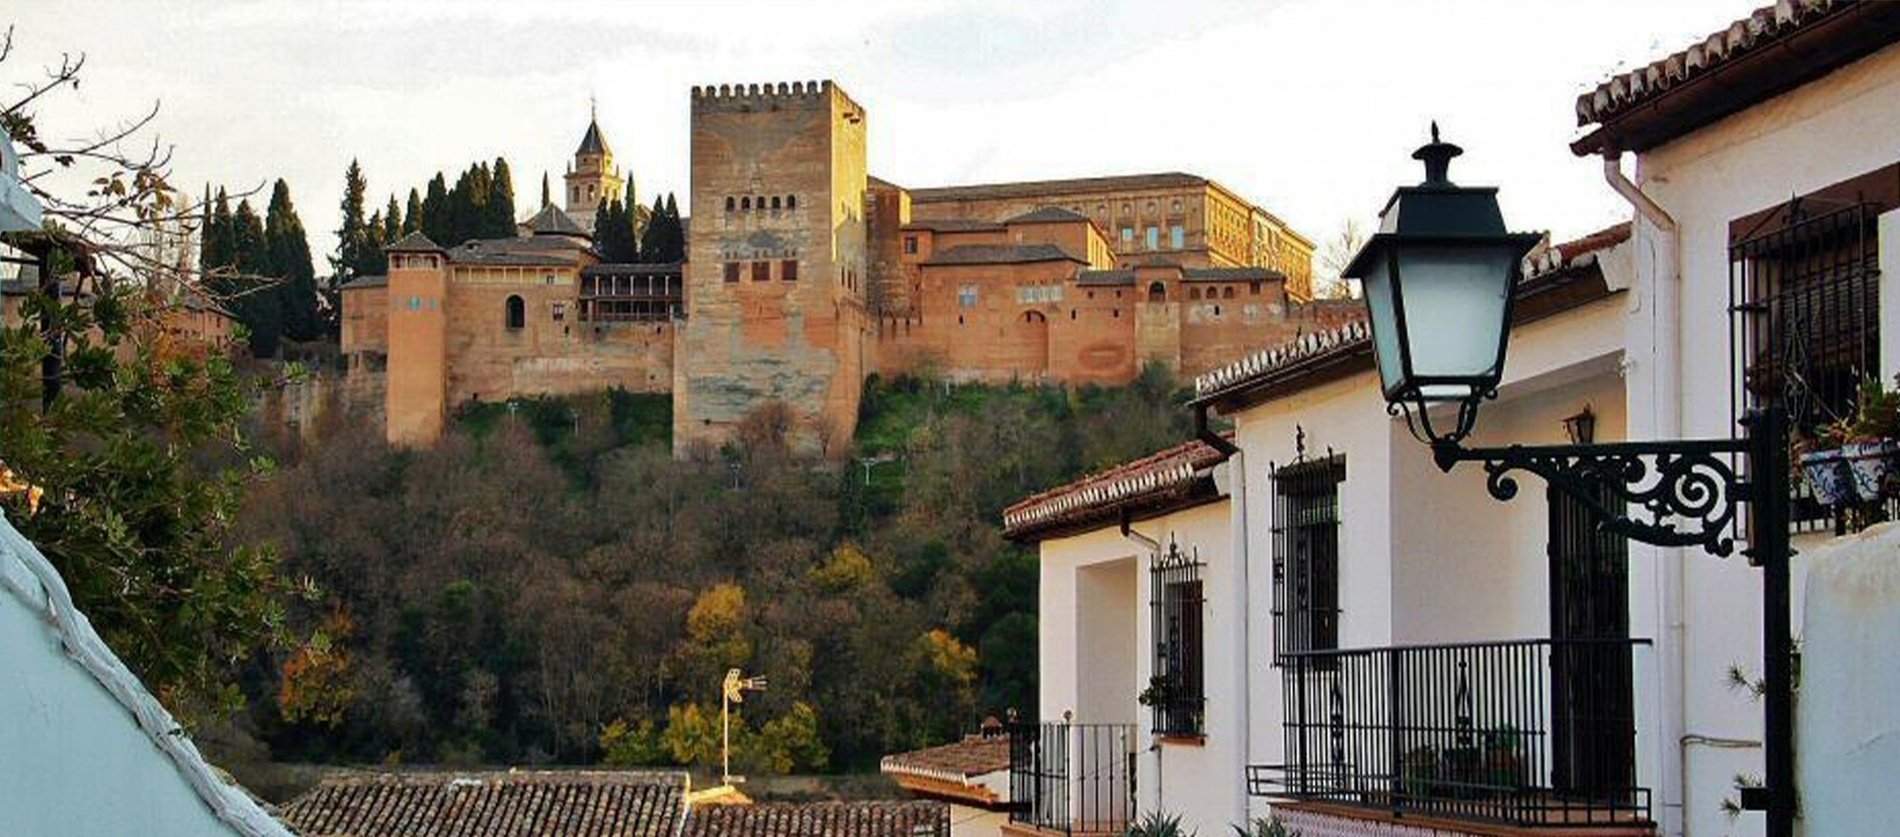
550	584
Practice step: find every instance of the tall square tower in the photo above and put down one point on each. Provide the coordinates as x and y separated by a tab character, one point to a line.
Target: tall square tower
776	266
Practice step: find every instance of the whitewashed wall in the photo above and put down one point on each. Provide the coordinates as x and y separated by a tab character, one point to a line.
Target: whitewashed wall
1829	130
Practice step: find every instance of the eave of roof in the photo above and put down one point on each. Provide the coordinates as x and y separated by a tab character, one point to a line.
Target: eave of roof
1775	49
1230	274
1175	478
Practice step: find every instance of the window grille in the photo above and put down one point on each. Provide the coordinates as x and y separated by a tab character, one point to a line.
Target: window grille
1306	554
1805	296
1176	691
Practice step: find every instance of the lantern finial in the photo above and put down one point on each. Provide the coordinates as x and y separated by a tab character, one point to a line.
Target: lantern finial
1437	157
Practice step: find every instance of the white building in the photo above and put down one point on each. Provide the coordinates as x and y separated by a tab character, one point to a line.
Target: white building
85	749
1388	649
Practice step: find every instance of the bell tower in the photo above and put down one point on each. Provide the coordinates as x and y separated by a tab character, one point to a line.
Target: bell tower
592	177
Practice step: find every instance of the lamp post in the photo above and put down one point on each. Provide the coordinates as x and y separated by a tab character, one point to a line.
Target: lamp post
1439	278
732	690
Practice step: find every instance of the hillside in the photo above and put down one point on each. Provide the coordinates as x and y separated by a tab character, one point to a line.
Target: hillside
549	585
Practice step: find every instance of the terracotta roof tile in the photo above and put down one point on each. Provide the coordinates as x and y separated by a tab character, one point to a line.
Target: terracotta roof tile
1047	215
821	819
1000	254
1353	336
1166	475
1576	253
513	804
975	755
1034	188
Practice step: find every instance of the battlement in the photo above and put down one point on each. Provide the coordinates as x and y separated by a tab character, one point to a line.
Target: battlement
744	97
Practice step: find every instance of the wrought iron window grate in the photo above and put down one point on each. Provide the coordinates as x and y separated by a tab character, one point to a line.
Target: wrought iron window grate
1805	301
1176	691
1306	554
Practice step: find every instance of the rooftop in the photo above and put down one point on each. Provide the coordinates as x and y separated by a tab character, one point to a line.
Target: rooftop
1231	274
955	225
1177	476
1771	51
959	761
412	242
361	282
1355	337
554	803
553	221
1048	215
821	819
1037	188
593	142
1001	254
1105	277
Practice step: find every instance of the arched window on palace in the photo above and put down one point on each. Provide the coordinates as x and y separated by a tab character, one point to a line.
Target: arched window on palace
1157	292
729	203
517	313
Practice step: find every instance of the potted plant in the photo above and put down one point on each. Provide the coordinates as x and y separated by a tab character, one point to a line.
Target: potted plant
1504	758
1418	772
1869	447
1824	467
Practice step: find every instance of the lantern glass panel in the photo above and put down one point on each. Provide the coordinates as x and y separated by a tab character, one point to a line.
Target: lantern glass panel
1455	300
1377	284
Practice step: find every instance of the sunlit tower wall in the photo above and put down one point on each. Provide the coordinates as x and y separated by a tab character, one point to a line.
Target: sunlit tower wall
776	264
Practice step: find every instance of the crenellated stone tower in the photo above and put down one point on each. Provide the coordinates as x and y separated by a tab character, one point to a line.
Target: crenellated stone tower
776	270
592	177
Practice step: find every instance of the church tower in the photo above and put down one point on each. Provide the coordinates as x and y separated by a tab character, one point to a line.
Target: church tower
592	177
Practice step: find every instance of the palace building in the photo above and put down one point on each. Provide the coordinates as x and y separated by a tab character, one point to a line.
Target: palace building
805	275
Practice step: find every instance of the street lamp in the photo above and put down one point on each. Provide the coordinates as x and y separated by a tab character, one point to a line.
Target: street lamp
732	690
1439	280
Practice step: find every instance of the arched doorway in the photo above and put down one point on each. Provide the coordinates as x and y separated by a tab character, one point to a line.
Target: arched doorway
1157	292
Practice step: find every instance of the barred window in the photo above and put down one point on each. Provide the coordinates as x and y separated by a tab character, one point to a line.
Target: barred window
761	271
1806	286
732	271
1176	691
1306	554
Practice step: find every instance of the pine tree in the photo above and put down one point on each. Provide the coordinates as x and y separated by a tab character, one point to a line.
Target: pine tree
288	258
412	214
352	237
501	201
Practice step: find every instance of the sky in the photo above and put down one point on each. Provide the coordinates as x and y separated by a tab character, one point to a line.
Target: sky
1309	108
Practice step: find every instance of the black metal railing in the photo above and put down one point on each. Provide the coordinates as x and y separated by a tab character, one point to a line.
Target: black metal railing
1072	778
1535	732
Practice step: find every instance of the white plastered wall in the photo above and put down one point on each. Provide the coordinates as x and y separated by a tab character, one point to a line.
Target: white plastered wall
1827	131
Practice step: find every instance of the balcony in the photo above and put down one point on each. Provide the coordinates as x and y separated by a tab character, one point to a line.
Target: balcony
1071	779
1530	734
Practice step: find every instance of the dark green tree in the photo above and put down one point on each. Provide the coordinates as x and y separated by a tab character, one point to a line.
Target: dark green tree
545	199
258	299
217	256
435	212
353	238
412	213
392	222
664	241
501	201
288	260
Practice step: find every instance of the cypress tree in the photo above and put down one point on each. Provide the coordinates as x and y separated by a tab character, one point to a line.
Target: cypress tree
412	214
219	251
257	304
392	225
435	212
288	256
352	237
545	200
501	201
651	245
672	233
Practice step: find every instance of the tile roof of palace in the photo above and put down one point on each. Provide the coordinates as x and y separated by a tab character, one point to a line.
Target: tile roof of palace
1159	480
1000	254
413	242
1035	188
552	220
1047	215
553	803
360	282
821	819
1230	274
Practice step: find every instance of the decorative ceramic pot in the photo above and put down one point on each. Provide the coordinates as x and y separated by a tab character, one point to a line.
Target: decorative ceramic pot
1828	474
1869	463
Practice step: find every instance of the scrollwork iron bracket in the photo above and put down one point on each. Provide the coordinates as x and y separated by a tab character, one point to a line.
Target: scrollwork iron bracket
1670	494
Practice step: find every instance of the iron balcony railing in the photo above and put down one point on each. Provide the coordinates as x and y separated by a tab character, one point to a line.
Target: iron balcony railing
1072	778
1537	732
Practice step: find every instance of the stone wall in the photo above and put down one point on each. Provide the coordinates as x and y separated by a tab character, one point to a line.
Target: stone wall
799	151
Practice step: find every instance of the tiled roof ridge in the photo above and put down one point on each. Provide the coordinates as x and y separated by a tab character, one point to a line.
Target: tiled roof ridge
1158	473
1577	252
1275	358
1100	183
1001	253
940	761
1762	26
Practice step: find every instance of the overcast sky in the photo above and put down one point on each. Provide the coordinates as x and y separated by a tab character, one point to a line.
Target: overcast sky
1309	108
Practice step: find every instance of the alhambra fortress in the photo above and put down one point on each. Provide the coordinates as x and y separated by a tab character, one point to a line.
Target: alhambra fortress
805	275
